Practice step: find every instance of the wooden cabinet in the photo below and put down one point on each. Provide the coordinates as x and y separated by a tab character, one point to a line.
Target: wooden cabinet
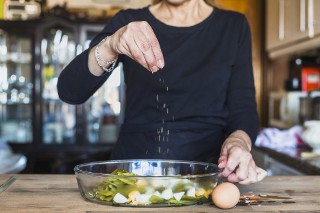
292	25
286	22
316	21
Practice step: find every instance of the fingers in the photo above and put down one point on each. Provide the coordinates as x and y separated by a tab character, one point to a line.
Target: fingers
146	51
251	175
155	46
138	41
255	175
261	173
239	166
240	174
222	162
136	54
234	158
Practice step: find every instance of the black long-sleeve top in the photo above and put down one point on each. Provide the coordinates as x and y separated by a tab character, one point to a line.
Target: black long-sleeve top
204	92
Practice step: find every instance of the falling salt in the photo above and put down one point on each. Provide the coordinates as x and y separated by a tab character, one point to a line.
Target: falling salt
162	132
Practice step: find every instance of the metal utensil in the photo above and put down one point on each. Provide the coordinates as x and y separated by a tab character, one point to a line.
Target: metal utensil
7	183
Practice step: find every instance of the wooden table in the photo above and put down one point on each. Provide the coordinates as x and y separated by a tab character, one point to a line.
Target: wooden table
59	193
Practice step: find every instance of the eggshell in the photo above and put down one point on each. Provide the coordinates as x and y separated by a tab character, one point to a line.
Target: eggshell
226	195
167	194
119	198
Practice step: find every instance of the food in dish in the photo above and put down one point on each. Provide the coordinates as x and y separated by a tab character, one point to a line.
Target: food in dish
130	189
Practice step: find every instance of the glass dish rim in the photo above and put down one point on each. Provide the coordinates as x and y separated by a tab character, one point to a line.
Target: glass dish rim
79	171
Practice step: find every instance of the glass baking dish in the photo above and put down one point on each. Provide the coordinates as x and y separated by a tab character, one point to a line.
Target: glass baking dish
147	183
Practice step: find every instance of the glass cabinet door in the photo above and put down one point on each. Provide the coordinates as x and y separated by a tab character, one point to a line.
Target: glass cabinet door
104	108
16	87
58	48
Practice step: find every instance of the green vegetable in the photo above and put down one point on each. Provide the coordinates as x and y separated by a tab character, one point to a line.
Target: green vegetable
156	199
180	187
121	172
111	186
127	182
189	198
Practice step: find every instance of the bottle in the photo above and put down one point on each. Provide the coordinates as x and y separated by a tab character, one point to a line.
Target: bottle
108	129
294	81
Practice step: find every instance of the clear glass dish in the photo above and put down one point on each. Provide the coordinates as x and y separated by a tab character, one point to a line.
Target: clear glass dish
147	183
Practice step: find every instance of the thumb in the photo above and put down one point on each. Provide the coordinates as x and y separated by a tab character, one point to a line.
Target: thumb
222	162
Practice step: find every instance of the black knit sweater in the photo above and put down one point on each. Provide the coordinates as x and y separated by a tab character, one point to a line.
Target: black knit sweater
204	92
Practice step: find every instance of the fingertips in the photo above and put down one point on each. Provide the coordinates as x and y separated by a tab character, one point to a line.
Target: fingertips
261	174
227	171
222	163
222	159
233	178
160	63
255	176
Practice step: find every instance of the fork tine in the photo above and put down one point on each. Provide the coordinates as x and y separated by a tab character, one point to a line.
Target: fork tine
7	183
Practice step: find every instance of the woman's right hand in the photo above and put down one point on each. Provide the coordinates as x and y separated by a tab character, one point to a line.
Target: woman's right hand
138	41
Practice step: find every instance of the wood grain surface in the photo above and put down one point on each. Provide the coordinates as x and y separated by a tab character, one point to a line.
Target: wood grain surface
59	193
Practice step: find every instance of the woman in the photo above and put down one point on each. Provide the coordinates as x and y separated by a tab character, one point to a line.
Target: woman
190	92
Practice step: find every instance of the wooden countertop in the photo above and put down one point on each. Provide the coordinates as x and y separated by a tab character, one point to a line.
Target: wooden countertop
59	193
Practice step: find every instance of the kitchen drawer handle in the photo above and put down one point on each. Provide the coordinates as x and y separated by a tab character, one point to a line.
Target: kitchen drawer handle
310	18
281	19
302	15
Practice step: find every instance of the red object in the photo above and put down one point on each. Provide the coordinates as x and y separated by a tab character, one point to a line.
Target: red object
310	79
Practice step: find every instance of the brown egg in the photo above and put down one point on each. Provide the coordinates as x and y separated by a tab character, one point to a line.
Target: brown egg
225	195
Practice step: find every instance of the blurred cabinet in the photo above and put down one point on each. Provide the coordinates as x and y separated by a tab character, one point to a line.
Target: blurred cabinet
316	21
16	86
286	22
276	168
104	110
58	46
32	117
272	166
292	25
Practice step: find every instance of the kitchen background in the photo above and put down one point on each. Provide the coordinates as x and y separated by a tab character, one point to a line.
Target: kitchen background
41	134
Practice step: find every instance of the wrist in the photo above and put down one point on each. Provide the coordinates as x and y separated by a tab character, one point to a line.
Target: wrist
107	51
104	56
240	136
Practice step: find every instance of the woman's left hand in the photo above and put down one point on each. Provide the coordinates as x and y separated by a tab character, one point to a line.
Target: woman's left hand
236	160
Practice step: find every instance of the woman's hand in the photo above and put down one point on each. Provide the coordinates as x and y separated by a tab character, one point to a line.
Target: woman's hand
138	41
236	160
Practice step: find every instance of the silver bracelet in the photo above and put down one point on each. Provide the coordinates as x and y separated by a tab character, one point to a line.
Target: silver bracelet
102	62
